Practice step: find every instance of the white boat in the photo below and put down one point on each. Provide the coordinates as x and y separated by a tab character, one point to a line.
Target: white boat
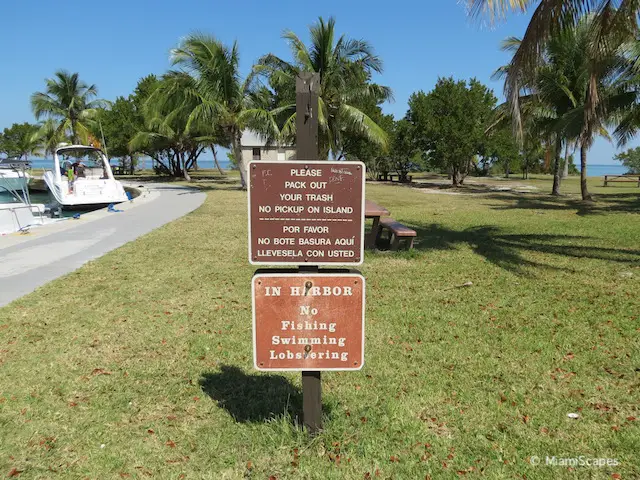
12	177
82	177
19	214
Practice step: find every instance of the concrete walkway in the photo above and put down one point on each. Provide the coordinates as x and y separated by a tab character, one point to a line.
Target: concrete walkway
29	261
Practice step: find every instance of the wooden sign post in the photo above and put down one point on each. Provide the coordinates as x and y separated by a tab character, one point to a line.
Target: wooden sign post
307	213
307	90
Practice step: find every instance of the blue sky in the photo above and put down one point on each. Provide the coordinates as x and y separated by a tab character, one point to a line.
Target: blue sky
114	43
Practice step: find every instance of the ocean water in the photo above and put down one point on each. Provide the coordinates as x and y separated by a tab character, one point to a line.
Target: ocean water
602	170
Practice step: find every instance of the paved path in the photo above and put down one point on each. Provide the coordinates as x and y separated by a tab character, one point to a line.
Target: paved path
28	262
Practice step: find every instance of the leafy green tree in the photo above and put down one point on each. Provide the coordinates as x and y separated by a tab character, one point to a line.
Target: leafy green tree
630	159
502	149
450	122
119	124
70	100
532	161
21	140
360	147
345	67
602	67
560	91
210	93
548	97
404	153
170	135
51	134
609	21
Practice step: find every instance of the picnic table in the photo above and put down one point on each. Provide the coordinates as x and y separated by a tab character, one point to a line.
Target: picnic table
622	178
374	211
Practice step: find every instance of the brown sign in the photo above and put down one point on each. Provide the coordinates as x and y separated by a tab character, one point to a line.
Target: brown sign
308	321
306	213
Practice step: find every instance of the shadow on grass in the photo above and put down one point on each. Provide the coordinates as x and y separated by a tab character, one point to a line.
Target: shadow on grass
506	250
253	398
447	187
604	203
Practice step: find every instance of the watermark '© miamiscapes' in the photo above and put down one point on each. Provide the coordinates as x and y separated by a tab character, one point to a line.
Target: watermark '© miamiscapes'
579	461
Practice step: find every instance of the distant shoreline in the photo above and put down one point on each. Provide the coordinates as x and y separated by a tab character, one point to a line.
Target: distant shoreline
595	170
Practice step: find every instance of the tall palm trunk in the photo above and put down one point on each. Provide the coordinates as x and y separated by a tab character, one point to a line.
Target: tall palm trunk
237	154
183	166
556	168
215	159
586	196
565	169
74	134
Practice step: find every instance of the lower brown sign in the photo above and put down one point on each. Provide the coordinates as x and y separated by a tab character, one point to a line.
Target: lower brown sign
311	321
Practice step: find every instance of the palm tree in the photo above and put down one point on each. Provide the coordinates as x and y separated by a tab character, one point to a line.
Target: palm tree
171	135
345	67
68	99
28	143
549	18
210	91
51	134
546	95
573	72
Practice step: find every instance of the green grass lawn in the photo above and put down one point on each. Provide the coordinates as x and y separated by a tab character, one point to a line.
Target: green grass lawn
140	363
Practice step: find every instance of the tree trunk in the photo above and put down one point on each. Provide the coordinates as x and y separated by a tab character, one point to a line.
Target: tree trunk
556	169
456	177
215	159
183	165
74	135
565	169
506	170
237	153
586	196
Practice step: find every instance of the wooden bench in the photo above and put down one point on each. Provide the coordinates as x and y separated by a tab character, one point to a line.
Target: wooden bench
622	179
397	233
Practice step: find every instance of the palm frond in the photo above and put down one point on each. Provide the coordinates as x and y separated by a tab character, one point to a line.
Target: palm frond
298	50
356	120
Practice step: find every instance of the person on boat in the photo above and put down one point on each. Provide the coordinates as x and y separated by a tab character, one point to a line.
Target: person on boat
70	178
64	168
78	169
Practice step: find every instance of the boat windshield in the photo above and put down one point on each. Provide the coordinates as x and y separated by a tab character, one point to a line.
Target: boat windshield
89	157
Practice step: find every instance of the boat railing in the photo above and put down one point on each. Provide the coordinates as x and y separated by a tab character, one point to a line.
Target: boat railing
13	208
20	168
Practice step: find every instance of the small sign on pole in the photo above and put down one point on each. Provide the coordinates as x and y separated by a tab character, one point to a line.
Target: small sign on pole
305	212
308	321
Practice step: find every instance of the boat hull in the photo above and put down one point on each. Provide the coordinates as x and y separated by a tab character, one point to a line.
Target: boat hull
85	194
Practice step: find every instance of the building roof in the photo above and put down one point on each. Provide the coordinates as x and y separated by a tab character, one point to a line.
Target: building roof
253	139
